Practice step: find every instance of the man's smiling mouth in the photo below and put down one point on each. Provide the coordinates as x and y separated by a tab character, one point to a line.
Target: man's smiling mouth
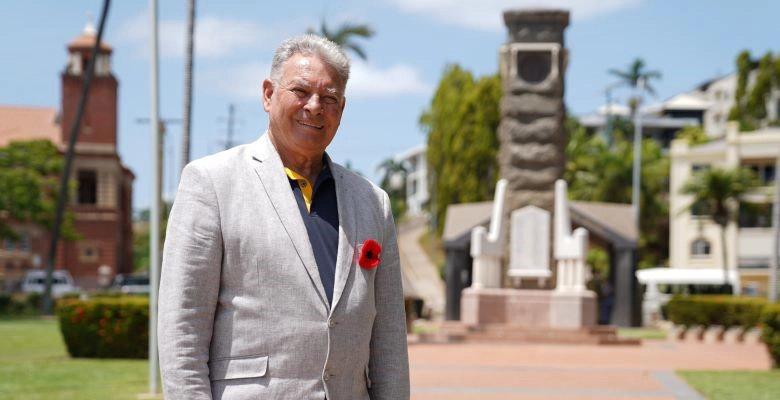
311	124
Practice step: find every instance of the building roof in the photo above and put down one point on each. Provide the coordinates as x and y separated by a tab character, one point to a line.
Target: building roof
674	275
87	39
686	101
611	221
596	120
715	146
28	123
412	152
461	218
614	109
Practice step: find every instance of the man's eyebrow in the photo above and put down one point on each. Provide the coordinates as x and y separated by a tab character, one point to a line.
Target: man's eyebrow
298	81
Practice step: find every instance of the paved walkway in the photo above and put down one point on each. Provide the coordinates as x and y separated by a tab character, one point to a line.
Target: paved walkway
419	272
553	372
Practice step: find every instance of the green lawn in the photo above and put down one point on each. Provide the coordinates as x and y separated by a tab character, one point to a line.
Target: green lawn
727	385
35	365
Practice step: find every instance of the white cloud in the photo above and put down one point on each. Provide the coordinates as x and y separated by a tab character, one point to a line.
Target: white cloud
243	81
214	36
487	15
366	80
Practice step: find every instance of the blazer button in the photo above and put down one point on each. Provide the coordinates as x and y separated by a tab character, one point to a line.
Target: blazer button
325	375
331	323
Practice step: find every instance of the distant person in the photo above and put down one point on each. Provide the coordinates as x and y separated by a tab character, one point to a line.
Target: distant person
281	276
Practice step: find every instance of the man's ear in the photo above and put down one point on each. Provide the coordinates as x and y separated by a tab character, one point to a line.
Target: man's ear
268	91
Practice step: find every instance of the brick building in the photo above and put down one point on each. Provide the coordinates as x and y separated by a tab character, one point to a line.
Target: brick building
103	202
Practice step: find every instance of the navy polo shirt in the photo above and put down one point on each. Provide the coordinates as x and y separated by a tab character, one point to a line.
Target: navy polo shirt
321	219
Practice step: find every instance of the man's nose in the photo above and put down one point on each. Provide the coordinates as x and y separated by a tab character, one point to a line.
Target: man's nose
313	105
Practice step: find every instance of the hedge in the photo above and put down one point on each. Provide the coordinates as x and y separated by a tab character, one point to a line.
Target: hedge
707	310
105	327
20	304
770	318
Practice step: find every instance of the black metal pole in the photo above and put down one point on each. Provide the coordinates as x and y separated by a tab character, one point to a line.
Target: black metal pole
74	131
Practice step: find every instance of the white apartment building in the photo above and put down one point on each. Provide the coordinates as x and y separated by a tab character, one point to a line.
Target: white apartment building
695	240
416	178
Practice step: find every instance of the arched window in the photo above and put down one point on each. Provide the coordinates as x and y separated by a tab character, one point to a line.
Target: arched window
700	247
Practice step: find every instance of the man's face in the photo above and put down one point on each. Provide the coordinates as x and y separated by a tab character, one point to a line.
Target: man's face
305	107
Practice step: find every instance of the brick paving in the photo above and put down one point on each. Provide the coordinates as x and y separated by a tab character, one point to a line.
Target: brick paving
543	371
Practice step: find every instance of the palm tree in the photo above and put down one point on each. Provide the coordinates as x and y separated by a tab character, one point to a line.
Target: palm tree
717	191
343	35
391	171
632	77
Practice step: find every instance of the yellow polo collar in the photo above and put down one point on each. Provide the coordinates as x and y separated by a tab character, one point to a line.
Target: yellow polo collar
304	184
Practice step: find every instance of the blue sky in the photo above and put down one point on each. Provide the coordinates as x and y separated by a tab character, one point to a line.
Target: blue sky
689	41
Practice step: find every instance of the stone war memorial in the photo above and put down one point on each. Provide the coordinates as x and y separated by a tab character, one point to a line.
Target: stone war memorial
528	270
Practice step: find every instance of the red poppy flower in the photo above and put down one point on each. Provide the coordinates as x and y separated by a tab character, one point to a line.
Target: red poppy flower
369	254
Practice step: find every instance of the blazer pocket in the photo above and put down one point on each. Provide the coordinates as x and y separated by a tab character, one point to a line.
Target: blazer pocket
368	379
237	368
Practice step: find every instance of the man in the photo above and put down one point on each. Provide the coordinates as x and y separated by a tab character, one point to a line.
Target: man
270	287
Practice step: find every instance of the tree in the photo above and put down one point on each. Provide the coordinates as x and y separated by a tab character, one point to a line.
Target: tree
393	182
344	34
632	76
717	191
461	125
142	236
750	109
29	185
693	134
597	171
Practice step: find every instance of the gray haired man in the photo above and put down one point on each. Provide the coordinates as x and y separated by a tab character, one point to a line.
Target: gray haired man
281	277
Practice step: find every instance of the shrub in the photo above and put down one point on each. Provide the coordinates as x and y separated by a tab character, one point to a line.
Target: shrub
20	304
770	318
105	327
707	310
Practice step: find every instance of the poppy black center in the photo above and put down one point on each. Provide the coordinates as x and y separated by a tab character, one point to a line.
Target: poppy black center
370	254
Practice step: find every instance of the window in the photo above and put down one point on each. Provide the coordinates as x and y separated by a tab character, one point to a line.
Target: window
25	242
755	215
88	252
87	187
699	209
696	168
700	247
764	170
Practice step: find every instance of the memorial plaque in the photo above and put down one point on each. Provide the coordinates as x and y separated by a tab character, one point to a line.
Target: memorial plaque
529	253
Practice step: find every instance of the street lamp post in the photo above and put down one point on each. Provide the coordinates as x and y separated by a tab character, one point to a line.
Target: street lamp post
154	246
636	178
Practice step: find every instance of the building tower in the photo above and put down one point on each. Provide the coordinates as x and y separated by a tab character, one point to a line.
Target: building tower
102	204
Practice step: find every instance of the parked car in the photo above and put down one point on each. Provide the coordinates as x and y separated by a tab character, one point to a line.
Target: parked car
62	282
131	284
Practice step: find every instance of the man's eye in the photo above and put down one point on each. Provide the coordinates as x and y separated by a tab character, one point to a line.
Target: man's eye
330	100
298	92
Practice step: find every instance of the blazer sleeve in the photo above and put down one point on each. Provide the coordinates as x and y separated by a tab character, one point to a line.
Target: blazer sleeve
389	359
189	285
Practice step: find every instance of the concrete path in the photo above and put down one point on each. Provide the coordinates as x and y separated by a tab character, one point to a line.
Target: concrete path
419	272
536	371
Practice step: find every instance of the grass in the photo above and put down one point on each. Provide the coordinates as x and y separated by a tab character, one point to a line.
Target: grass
642	333
35	365
726	385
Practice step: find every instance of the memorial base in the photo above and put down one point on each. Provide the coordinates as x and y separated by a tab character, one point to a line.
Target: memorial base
528	308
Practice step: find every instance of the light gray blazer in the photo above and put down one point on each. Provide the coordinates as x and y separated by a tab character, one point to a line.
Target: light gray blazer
242	310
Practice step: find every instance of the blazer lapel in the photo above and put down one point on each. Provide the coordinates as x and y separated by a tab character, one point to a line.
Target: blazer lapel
270	170
345	257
